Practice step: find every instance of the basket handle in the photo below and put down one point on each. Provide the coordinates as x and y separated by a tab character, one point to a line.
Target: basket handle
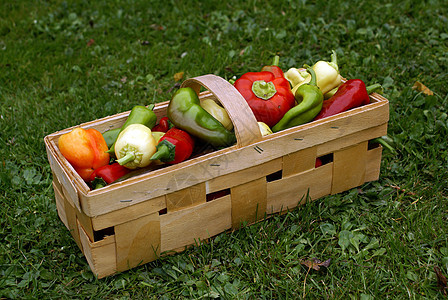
243	119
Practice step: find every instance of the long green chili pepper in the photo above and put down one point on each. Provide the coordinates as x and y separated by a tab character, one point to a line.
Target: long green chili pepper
186	113
310	99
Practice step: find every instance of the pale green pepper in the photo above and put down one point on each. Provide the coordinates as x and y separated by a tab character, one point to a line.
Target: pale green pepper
218	112
327	75
134	146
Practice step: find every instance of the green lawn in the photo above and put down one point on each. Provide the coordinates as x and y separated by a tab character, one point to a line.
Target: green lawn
63	63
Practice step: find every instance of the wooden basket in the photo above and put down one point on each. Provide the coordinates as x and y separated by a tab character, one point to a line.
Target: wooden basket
134	221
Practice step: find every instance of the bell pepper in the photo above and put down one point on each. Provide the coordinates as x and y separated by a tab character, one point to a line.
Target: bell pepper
174	147
163	126
327	75
134	146
218	112
268	96
274	68
186	113
107	174
85	150
157	135
331	93
264	129
351	94
310	103
297	76
139	115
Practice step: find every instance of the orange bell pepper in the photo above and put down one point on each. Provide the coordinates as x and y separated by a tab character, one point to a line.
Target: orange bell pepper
85	150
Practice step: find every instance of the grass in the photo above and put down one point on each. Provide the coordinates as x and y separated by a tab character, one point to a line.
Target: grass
64	63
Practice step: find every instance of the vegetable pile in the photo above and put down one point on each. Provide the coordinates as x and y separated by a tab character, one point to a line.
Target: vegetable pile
193	126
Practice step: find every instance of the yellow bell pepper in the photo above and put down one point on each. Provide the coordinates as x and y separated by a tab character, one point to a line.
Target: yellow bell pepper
327	75
218	112
264	129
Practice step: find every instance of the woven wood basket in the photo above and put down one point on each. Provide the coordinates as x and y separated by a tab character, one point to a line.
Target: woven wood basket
134	221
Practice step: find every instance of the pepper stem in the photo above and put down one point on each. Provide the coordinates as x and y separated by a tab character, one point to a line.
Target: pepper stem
166	151
162	153
334	60
313	80
373	88
127	158
385	144
276	60
263	90
151	106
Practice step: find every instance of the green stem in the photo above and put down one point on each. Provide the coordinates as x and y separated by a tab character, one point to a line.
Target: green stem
276	60
98	183
163	152
166	151
373	88
127	158
313	80
263	90
384	144
334	60
151	106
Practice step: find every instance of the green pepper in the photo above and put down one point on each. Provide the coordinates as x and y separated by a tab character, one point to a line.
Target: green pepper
310	105
110	136
186	113
139	115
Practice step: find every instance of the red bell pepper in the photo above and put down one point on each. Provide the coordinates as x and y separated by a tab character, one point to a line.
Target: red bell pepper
351	94
274	68
163	126
174	146
318	162
268	96
110	173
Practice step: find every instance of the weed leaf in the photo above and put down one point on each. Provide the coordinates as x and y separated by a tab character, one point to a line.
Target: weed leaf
344	239
315	263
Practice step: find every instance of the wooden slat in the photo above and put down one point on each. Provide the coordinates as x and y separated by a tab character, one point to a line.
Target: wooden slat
248	202
352	139
72	222
299	161
85	221
59	198
129	213
56	183
373	163
188	197
243	176
349	167
289	192
189	226
101	255
137	241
